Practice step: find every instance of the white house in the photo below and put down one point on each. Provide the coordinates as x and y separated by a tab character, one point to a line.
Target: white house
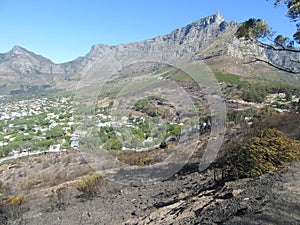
54	148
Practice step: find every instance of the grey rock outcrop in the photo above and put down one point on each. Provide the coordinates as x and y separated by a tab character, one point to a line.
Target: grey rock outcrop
209	37
193	38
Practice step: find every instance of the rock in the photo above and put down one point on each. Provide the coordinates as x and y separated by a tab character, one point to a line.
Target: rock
225	195
241	211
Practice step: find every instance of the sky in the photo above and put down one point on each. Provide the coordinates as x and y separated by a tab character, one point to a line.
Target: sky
63	30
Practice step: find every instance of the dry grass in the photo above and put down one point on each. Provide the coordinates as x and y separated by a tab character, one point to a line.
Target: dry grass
13	207
266	151
90	185
142	158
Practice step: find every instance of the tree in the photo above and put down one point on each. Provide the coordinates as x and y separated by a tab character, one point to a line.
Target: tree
113	143
254	94
256	29
293	13
281	41
55	133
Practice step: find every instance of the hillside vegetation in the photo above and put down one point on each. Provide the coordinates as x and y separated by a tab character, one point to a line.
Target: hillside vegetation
265	151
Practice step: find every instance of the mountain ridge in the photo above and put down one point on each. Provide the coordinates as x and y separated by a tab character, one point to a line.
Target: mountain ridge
206	38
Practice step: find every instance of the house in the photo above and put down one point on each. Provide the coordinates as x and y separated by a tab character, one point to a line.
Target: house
52	125
109	124
99	125
2	143
148	140
74	138
75	144
39	138
14	152
4	116
54	148
80	133
124	119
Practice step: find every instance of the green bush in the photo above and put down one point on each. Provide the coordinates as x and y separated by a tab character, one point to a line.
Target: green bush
254	94
173	129
113	143
55	132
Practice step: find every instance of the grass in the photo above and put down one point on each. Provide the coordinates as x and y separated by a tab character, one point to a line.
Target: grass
181	77
4	187
231	79
142	158
40	179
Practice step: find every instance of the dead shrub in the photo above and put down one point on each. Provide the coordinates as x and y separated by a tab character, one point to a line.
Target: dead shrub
59	197
13	207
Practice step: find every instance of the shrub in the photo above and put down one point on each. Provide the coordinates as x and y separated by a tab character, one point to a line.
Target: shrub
13	207
89	186
55	133
264	152
113	143
59	197
3	188
40	179
15	200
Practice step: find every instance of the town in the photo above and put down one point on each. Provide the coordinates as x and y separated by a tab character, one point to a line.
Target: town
37	125
49	125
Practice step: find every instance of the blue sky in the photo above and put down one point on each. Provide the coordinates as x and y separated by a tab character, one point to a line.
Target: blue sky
62	30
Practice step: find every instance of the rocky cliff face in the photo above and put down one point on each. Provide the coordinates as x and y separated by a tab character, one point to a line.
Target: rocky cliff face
206	38
193	38
248	51
209	37
199	35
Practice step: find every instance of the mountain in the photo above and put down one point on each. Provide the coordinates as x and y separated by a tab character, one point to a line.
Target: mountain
19	67
210	39
21	61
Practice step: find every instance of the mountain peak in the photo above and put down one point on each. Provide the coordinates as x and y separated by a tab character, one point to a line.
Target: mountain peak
18	50
215	18
218	16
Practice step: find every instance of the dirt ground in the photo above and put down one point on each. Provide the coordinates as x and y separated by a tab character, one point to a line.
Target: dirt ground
188	197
